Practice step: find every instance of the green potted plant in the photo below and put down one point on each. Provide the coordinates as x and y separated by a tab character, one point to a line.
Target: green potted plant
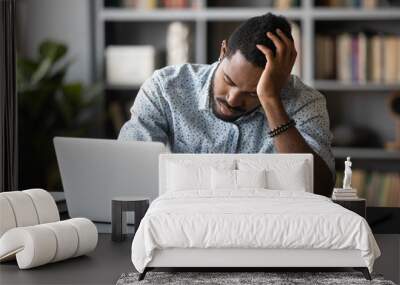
49	106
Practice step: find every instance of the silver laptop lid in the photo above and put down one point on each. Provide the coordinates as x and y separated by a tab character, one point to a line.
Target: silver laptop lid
93	171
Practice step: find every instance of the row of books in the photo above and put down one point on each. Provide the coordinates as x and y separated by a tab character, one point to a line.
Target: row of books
194	4
369	4
380	189
157	4
358	58
285	4
277	4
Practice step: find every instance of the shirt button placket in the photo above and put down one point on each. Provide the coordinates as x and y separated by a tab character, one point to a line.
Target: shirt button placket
234	134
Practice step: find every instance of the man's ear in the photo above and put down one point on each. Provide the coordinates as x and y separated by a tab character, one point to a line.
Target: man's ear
223	50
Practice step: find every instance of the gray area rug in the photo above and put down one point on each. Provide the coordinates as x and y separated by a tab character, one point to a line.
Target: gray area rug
243	278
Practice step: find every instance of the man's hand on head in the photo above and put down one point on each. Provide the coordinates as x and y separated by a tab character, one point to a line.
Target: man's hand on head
278	68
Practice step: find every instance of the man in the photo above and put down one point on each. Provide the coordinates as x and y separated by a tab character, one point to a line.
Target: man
247	102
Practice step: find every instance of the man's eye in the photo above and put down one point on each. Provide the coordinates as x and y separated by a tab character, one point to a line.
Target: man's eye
227	81
253	94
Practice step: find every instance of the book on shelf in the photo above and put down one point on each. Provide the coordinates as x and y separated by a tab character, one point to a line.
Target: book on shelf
326	65
376	46
366	4
362	68
336	197
286	4
344	50
296	70
160	4
392	50
345	191
344	194
358	58
381	189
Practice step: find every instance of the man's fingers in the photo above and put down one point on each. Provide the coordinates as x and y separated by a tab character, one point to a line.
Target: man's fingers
290	51
288	42
266	51
280	47
294	56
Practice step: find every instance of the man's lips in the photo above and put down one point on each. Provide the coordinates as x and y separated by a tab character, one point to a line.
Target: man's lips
227	111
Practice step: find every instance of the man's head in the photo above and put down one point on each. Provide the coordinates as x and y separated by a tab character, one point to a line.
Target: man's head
236	78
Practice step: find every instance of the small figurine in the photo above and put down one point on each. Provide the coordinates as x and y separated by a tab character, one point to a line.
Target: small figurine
347	174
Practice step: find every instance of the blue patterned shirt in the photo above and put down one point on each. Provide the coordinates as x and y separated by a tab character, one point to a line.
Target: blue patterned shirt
174	107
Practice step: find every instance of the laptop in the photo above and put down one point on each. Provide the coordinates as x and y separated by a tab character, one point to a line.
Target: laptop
93	171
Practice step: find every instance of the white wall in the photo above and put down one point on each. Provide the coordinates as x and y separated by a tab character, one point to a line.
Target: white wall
63	20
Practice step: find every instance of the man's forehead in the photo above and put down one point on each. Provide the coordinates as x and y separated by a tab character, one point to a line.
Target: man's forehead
242	72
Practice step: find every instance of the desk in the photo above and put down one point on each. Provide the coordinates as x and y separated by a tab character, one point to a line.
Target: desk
102	266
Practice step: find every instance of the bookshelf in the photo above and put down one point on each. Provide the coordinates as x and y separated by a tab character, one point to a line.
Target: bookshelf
366	153
212	20
333	85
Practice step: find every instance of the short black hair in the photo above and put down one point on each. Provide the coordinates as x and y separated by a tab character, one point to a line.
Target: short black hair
253	31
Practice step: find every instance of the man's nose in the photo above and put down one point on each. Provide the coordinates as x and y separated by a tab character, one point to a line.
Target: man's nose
234	99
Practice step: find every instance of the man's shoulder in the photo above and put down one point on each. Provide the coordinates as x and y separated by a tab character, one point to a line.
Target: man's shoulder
182	72
300	89
299	95
300	86
182	83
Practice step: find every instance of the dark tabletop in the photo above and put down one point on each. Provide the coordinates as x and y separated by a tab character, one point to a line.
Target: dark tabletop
102	266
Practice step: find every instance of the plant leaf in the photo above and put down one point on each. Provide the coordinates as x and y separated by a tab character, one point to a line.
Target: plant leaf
41	71
75	88
53	50
25	69
50	52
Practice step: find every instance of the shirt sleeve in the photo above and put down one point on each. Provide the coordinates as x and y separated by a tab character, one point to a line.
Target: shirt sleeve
312	121
148	120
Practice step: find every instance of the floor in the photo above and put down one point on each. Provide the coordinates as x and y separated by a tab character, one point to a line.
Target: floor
102	266
111	259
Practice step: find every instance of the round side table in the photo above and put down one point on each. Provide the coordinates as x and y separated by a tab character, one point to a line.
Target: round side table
121	205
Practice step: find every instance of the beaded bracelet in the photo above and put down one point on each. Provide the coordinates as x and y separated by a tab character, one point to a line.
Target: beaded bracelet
282	128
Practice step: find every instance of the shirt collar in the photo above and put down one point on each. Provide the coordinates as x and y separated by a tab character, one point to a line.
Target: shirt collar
205	92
